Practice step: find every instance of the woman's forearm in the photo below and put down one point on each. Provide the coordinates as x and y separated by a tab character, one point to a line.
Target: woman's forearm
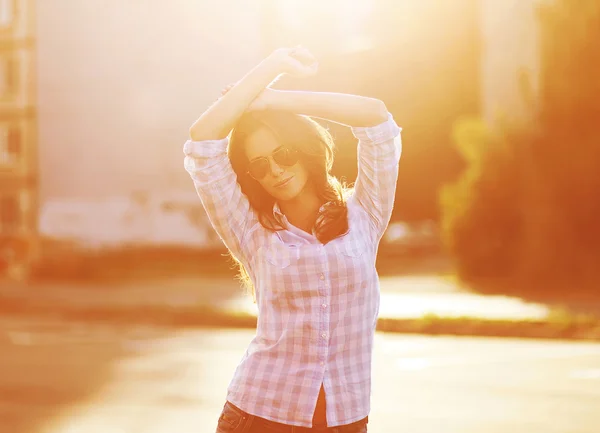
351	110
218	120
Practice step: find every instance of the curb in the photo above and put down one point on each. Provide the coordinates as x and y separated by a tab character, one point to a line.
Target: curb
574	328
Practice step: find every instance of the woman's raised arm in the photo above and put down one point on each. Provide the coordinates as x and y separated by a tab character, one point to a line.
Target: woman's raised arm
206	157
219	119
346	109
379	144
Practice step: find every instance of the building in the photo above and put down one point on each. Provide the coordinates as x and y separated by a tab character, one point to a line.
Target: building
510	63
18	138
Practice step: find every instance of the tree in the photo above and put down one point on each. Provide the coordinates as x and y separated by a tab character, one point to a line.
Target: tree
526	210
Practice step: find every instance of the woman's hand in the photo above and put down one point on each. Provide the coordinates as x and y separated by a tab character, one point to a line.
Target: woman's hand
250	93
298	61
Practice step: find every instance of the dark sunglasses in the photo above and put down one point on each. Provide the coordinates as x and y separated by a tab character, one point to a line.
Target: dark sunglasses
283	156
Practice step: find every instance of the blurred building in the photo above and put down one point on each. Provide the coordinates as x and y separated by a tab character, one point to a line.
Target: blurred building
120	83
510	60
18	132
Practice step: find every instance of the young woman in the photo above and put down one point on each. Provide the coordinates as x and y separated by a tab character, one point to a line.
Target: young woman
305	243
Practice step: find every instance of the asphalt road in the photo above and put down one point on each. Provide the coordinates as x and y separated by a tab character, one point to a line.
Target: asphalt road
88	379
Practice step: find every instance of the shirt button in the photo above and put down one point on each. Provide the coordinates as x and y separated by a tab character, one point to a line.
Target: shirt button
322	277
324	335
324	305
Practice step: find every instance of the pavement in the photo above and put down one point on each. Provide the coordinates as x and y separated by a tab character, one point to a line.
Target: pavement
427	304
106	379
129	357
402	297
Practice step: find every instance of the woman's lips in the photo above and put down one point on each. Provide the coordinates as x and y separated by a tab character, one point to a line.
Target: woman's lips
284	183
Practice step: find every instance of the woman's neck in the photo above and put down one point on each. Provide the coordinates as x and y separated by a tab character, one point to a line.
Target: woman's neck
302	211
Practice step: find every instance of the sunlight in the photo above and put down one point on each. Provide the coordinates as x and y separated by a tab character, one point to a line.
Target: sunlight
337	22
338	26
6	13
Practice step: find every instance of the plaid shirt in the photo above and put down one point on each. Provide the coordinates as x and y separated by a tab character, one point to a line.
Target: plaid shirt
317	304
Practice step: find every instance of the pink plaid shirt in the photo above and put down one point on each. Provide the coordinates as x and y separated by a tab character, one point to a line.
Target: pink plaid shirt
317	304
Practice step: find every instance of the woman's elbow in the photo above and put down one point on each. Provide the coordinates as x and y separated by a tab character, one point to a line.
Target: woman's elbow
380	112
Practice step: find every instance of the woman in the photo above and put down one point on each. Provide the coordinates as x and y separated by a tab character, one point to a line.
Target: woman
306	244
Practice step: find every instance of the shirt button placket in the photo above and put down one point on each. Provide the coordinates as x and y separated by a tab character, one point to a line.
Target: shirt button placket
324	322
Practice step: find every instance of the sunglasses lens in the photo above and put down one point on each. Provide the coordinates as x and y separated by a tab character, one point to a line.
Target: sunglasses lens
285	156
258	168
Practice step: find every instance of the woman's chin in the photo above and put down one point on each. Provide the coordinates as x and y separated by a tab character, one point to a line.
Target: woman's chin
284	196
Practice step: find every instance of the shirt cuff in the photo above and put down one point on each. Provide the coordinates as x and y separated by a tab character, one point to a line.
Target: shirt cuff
205	148
379	133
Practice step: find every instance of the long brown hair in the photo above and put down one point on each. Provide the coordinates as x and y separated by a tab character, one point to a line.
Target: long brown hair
315	147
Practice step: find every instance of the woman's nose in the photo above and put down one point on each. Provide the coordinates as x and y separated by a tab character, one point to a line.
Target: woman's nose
276	170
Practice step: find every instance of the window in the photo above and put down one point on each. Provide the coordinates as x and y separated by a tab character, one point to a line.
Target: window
11	148
10	214
8	77
7	13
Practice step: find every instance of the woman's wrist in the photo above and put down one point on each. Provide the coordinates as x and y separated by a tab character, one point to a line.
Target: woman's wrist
298	62
272	65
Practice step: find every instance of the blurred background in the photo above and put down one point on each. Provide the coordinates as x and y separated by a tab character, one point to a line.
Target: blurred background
106	252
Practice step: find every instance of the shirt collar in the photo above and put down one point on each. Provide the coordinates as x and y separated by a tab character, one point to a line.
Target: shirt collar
291	228
277	211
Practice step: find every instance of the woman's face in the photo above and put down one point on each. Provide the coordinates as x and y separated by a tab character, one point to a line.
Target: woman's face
280	181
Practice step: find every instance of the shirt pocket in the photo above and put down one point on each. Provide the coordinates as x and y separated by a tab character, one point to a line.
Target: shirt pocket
283	271
351	246
352	266
279	254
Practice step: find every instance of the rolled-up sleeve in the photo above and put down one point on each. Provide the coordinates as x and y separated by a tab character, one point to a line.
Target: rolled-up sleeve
215	181
379	150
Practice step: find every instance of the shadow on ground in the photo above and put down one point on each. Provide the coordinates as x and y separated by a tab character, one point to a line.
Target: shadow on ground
46	369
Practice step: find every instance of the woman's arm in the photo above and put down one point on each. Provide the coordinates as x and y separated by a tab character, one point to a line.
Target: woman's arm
350	110
218	120
206	157
379	144
379	150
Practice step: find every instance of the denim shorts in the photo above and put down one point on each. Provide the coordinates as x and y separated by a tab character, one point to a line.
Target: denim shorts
235	420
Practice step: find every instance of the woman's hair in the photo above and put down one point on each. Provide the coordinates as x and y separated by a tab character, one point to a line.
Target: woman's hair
315	149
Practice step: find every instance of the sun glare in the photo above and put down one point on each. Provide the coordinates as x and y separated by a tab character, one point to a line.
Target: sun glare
344	26
334	24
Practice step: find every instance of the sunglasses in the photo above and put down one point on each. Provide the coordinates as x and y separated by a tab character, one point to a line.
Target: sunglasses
283	156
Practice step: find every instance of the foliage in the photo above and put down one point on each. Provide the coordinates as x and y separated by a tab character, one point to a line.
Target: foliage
482	220
524	214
